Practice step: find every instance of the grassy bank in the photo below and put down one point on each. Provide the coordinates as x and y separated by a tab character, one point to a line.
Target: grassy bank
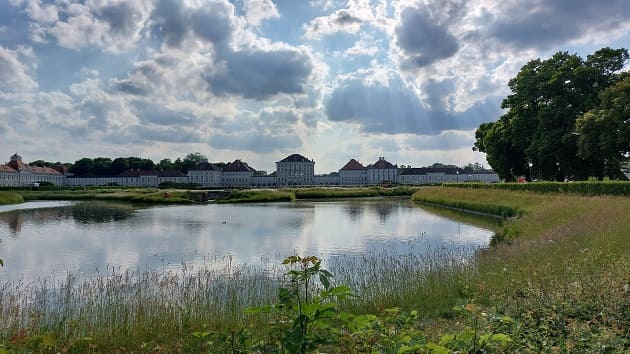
289	194
10	198
562	274
258	196
579	187
136	195
335	192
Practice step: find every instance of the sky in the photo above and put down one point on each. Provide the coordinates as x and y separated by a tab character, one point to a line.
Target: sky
261	79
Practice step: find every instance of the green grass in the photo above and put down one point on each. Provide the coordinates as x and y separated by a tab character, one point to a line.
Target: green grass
258	196
580	187
497	202
338	192
562	270
10	198
135	195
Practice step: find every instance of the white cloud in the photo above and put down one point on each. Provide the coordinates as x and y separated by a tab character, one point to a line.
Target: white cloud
340	21
16	82
108	24
257	11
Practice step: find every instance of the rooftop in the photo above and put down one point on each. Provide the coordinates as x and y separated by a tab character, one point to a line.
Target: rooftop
353	165
238	166
382	164
296	158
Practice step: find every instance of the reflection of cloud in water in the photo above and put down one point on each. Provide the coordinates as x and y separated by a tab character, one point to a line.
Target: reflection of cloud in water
93	236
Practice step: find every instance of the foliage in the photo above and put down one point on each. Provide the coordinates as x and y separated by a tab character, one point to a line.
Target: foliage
10	198
604	131
134	195
257	196
548	96
592	187
318	193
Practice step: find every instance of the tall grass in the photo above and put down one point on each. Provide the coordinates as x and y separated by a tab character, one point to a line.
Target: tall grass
580	187
134	195
497	202
337	192
258	195
10	198
562	272
120	309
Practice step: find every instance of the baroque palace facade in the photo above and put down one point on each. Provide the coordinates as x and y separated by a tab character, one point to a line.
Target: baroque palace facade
294	170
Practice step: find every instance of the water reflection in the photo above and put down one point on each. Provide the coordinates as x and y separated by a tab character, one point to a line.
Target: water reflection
52	212
89	236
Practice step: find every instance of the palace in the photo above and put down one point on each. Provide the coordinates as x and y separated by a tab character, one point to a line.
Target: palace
294	170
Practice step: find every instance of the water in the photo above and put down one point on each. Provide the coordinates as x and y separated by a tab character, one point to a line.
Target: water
43	240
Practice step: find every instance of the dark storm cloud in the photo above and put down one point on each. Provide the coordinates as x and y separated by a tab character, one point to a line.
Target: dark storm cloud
260	74
395	109
543	24
423	40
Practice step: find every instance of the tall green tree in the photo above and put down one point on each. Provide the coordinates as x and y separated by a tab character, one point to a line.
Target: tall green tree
547	98
191	160
604	132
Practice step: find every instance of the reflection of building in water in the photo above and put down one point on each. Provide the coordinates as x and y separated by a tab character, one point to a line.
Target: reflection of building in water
354	211
84	213
14	220
383	210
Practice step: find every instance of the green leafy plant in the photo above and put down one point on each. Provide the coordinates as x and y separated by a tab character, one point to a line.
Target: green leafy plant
306	315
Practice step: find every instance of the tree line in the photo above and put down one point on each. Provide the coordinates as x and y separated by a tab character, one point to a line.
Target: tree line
567	117
105	166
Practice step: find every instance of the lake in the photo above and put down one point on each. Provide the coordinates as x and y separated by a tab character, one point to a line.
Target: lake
44	240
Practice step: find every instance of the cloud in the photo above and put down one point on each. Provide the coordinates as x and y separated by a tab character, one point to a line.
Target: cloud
447	140
256	142
339	21
422	40
113	26
257	11
154	113
172	22
14	75
394	108
171	134
544	24
260	74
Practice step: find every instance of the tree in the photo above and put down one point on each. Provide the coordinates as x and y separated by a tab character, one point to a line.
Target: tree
101	166
119	165
192	160
165	164
604	132
82	166
548	96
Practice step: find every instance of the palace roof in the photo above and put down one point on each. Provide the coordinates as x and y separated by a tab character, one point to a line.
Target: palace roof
353	165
